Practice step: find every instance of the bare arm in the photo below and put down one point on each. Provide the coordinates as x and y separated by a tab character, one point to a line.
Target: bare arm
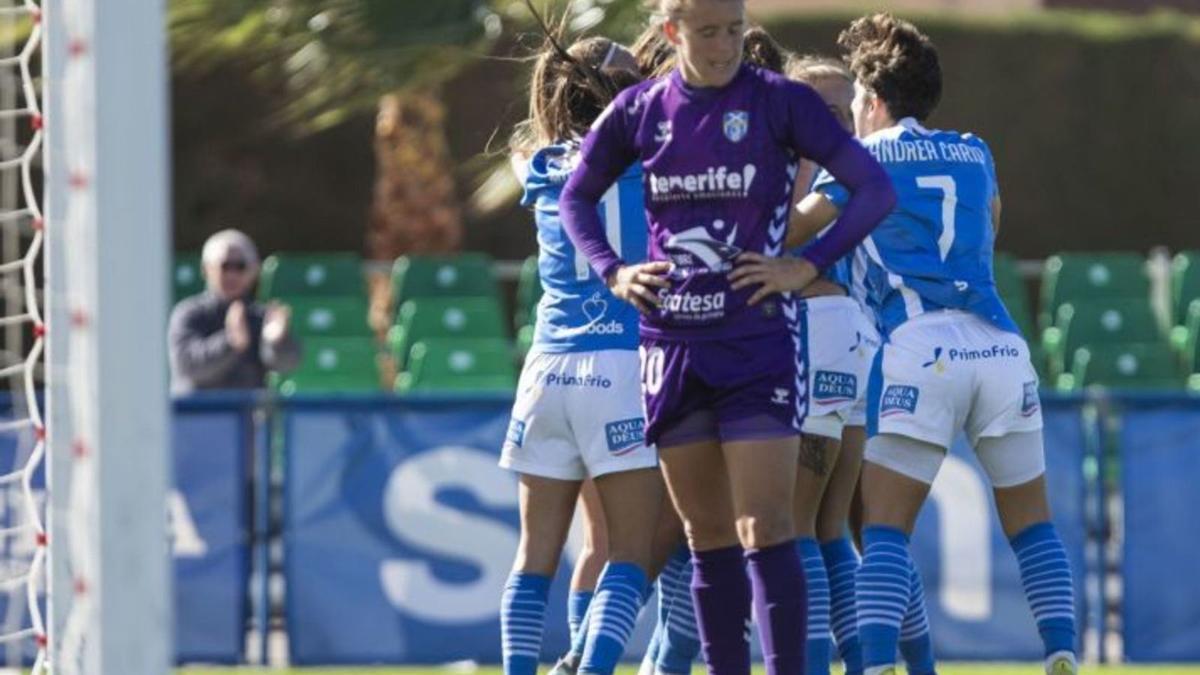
814	213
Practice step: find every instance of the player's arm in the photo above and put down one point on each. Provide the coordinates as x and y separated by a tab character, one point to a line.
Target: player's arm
814	213
813	132
996	215
606	152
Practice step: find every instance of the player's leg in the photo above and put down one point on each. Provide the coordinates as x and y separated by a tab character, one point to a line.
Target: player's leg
588	567
818	455
916	401
699	486
631	500
678	637
1041	556
1006	432
760	405
896	480
546	506
609	429
762	475
837	550
916	644
541	449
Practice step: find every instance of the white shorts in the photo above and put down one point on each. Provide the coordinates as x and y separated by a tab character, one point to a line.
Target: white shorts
840	345
946	371
578	415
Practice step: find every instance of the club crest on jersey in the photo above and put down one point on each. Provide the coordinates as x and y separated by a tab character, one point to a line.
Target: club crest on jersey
736	124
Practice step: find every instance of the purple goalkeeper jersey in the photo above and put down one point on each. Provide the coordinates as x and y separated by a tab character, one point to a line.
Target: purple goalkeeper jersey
718	166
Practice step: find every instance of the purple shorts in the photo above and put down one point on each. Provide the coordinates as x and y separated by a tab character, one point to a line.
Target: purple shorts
718	389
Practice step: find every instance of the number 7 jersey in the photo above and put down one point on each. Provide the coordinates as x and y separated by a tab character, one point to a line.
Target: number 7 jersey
934	250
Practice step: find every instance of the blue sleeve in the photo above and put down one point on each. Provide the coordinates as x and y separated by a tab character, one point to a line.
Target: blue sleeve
607	151
834	191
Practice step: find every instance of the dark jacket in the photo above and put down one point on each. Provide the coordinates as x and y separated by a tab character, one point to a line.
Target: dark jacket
202	358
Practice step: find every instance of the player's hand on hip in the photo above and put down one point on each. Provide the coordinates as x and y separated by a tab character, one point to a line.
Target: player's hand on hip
237	329
638	284
276	321
772	275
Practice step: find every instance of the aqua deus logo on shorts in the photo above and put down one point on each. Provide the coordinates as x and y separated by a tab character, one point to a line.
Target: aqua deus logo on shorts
624	436
516	433
898	398
833	387
1030	402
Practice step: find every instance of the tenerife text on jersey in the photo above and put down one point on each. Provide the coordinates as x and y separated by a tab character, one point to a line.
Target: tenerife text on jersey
719	182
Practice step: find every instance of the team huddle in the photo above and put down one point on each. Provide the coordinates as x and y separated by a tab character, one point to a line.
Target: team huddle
768	311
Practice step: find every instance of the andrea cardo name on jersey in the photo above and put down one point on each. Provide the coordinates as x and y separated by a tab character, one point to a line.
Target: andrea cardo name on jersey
922	150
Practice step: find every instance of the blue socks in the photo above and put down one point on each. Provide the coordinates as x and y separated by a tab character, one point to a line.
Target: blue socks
883	590
916	645
577	606
680	640
522	618
818	647
841	560
1046	576
613	613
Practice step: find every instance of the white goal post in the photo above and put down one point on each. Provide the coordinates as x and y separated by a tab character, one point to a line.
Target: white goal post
107	253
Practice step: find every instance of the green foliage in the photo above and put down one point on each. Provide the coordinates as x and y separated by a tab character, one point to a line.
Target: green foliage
333	58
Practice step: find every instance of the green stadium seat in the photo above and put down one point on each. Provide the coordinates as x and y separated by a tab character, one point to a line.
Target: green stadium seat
1185	284
1098	322
467	274
529	291
1186	339
1013	292
187	277
424	318
1069	277
288	275
1127	366
459	365
334	364
339	316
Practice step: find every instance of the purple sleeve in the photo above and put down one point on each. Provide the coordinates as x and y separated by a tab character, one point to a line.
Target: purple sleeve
607	152
871	199
812	132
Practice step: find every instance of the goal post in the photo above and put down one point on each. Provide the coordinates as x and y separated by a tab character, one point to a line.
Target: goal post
107	227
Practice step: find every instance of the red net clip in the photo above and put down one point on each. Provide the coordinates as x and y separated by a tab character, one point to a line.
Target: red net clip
39	330
41	640
38	224
77	47
81	586
79	318
35	14
42	539
39	433
78	180
79	448
36	121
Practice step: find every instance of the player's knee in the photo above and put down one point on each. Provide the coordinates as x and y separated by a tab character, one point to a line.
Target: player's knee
706	534
768	528
537	558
